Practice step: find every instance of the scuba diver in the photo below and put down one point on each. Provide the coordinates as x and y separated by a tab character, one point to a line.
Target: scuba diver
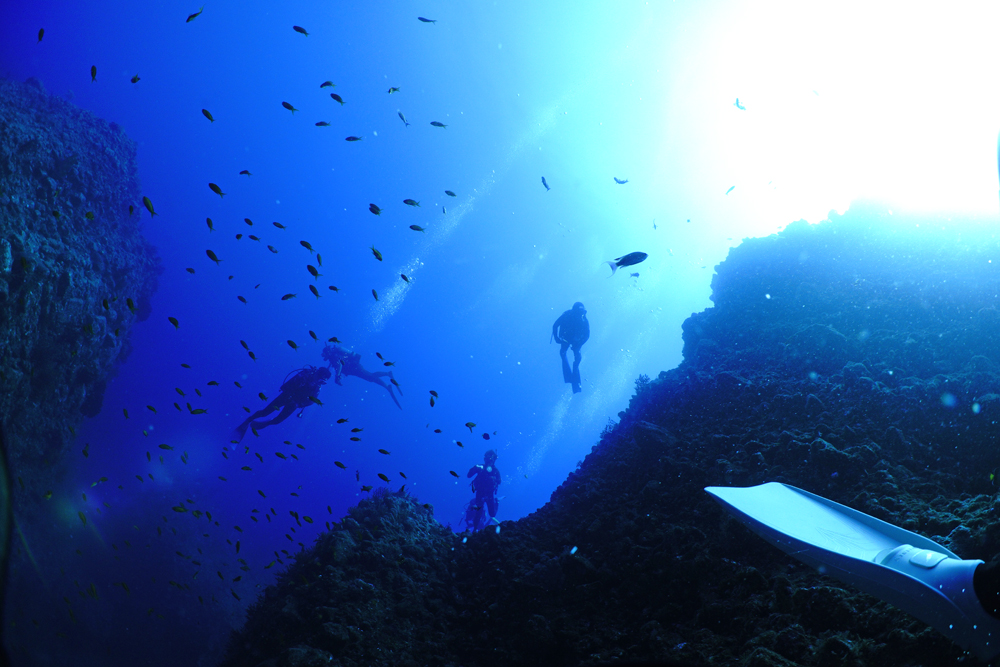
572	329
296	393
349	363
959	598
485	487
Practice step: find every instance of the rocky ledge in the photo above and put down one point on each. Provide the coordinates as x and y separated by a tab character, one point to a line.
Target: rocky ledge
856	359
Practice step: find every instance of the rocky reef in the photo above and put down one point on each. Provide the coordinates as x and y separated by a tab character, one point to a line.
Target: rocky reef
856	359
75	271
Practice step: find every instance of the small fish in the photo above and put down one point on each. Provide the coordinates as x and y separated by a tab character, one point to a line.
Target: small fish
383	477
300	30
192	17
149	206
342	420
211	225
306	245
340	465
459	443
393	381
313	271
416	228
444	210
626	260
402	118
125	412
41	33
432	401
453	473
89	215
242	299
216	189
389	363
384	451
486	436
165	446
189	270
252	356
423	20
403	276
366	488
411	202
375	294
434	394
547	188
322	123
173	320
207	114
312	334
289	107
731	188
437	124
211	256
374	209
328	84
319	259
333	288
740	106
633	275
135	79
199	411
353	138
246	172
337	98
213	383
377	254
618	181
93	73
393	89
470	426
287	297
334	339
130	210
450	193
315	292
291	344
437	430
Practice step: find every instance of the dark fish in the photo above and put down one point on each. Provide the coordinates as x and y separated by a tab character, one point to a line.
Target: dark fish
434	394
93	73
312	334
242	299
375	294
337	98
333	288
216	189
173	320
189	270
342	420
377	254
353	138
450	193
340	465
313	271
470	426
289	107
149	206
253	238
130	210
626	260
322	123
291	344
547	188
402	118
135	79
300	30
453	473
239	236
245	172
41	33
383	477
416	228
411	202
618	181
211	227
328	84
633	275
403	276
305	244
486	436
192	17
374	209
287	297
423	20
207	114
211	256
393	89
278	225
437	124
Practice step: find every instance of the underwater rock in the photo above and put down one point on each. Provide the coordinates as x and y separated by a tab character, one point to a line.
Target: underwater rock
57	266
851	358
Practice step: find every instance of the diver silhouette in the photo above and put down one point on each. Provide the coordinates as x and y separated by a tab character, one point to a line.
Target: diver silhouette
485	485
572	329
346	362
296	393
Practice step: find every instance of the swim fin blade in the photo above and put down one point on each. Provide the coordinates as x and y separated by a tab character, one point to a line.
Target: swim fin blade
918	575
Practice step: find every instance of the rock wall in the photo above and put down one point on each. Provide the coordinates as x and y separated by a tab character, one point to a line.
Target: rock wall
856	359
75	271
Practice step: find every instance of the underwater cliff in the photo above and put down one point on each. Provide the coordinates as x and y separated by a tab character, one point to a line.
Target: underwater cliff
75	271
856	359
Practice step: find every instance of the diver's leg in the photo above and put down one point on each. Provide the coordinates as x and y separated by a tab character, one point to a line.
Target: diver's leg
393	396
567	373
492	505
286	411
576	363
241	430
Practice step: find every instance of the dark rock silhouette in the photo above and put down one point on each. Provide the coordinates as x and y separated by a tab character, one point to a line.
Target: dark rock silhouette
855	359
57	266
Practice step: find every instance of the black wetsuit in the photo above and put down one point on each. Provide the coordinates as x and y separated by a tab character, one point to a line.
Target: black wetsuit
293	395
485	485
572	330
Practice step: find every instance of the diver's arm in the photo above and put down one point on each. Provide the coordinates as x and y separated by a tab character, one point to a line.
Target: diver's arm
474	470
555	328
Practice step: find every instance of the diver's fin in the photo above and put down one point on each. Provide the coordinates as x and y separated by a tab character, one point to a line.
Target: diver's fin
614	267
907	570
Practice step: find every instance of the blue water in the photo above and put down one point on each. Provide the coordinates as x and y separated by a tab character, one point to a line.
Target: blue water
573	93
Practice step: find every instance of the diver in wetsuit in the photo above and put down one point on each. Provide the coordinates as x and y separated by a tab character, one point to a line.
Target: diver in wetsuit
349	363
572	329
485	485
296	393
